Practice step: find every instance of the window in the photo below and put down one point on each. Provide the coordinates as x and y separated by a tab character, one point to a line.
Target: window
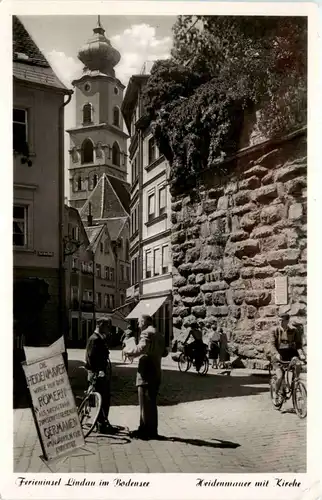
151	206
122	298
106	272
152	150
75	233
106	247
20	214
87	151
99	299
79	183
148	264
156	262
92	182
135	169
90	295
87	114
105	301
74	263
116	90
111	274
98	270
116	116
165	259
122	272
101	247
127	250
90	267
116	154
162	200
20	130
74	293
112	303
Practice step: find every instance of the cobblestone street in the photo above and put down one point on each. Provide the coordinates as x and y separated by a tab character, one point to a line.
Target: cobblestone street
210	424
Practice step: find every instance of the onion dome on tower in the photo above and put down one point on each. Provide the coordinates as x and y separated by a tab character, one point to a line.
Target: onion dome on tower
97	54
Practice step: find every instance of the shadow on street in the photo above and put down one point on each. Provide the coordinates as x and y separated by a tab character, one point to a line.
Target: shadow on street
176	387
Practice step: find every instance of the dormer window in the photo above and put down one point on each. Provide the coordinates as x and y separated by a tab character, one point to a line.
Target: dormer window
87	114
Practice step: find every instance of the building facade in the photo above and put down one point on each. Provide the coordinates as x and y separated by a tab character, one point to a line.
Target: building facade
150	229
79	275
38	193
98	169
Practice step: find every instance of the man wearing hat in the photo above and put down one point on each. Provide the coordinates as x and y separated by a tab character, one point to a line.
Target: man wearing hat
285	343
97	356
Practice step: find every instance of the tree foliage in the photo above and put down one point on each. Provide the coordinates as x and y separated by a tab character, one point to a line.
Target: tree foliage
220	66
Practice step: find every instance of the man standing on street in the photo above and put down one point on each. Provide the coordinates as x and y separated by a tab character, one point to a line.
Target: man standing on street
97	362
150	348
285	343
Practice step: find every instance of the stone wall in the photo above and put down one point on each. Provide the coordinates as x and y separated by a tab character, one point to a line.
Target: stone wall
233	237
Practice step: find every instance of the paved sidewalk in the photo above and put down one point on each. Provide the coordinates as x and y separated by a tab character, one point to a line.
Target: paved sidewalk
211	424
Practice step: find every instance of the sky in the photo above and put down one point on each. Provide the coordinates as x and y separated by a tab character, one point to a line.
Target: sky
137	38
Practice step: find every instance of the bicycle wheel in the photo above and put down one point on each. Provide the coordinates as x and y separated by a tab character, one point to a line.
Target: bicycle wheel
183	363
88	412
273	394
203	370
300	399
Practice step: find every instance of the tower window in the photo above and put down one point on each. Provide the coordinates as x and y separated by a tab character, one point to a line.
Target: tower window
79	183
116	116
116	90
116	154
87	114
87	151
94	180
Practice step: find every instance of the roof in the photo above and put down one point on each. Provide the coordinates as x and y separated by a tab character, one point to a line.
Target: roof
131	96
29	63
115	226
109	199
94	236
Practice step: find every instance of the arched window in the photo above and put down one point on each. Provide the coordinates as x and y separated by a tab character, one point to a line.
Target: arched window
94	180
87	151
116	154
79	183
87	114
116	116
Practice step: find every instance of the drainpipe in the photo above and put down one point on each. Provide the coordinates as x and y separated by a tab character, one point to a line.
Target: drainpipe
61	181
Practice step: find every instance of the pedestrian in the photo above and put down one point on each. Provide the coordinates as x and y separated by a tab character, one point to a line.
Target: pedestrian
214	348
196	349
150	348
224	356
285	343
97	362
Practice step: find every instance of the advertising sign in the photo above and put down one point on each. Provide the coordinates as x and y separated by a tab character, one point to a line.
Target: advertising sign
54	408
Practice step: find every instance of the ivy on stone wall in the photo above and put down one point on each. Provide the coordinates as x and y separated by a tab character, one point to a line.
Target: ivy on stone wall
220	66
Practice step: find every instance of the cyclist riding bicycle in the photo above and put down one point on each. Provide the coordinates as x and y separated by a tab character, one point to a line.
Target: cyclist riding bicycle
196	349
97	356
285	343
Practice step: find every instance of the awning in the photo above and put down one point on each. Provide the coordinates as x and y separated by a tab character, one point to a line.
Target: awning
147	307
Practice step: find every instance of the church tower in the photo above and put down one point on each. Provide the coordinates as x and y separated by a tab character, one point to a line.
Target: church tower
97	142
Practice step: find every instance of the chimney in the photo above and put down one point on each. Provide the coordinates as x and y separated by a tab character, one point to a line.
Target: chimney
89	217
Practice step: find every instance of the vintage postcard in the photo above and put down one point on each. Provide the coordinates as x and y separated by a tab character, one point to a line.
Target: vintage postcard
163	261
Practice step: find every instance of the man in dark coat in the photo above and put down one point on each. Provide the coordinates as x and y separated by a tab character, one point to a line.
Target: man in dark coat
151	348
97	357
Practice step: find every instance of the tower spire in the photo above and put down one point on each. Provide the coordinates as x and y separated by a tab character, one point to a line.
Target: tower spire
99	28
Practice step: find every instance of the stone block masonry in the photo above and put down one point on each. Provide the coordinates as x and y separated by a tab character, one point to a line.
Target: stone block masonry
233	237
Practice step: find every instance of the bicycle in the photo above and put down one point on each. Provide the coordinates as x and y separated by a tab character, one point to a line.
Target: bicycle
293	387
89	409
185	362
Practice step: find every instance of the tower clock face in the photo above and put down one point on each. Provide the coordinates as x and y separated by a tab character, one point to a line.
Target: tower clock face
87	87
